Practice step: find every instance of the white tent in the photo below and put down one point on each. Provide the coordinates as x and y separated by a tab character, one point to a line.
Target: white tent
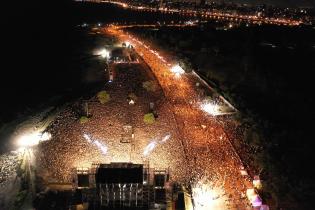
256	201
264	207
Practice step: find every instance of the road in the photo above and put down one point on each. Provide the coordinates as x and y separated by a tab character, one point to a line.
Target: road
212	163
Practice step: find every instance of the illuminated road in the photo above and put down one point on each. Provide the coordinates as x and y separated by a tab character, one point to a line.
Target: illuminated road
211	160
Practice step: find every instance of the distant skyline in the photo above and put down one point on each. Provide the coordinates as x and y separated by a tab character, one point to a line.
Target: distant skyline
282	3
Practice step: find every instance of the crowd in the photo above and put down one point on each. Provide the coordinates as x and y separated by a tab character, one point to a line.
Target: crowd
198	147
206	144
68	148
8	165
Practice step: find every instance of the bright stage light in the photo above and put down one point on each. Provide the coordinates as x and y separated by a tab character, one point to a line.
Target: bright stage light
177	70
45	136
32	139
87	137
211	108
167	137
28	140
98	144
148	149
104	53
102	147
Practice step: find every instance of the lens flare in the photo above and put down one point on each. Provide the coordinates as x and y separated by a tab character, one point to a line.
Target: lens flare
211	108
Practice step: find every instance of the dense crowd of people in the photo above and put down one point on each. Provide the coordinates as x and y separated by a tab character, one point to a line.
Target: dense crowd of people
8	165
197	148
69	149
207	148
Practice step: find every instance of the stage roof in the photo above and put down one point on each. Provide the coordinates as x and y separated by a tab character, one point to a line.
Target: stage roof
119	173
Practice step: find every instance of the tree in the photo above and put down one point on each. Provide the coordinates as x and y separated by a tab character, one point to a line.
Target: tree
103	97
149	118
84	119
